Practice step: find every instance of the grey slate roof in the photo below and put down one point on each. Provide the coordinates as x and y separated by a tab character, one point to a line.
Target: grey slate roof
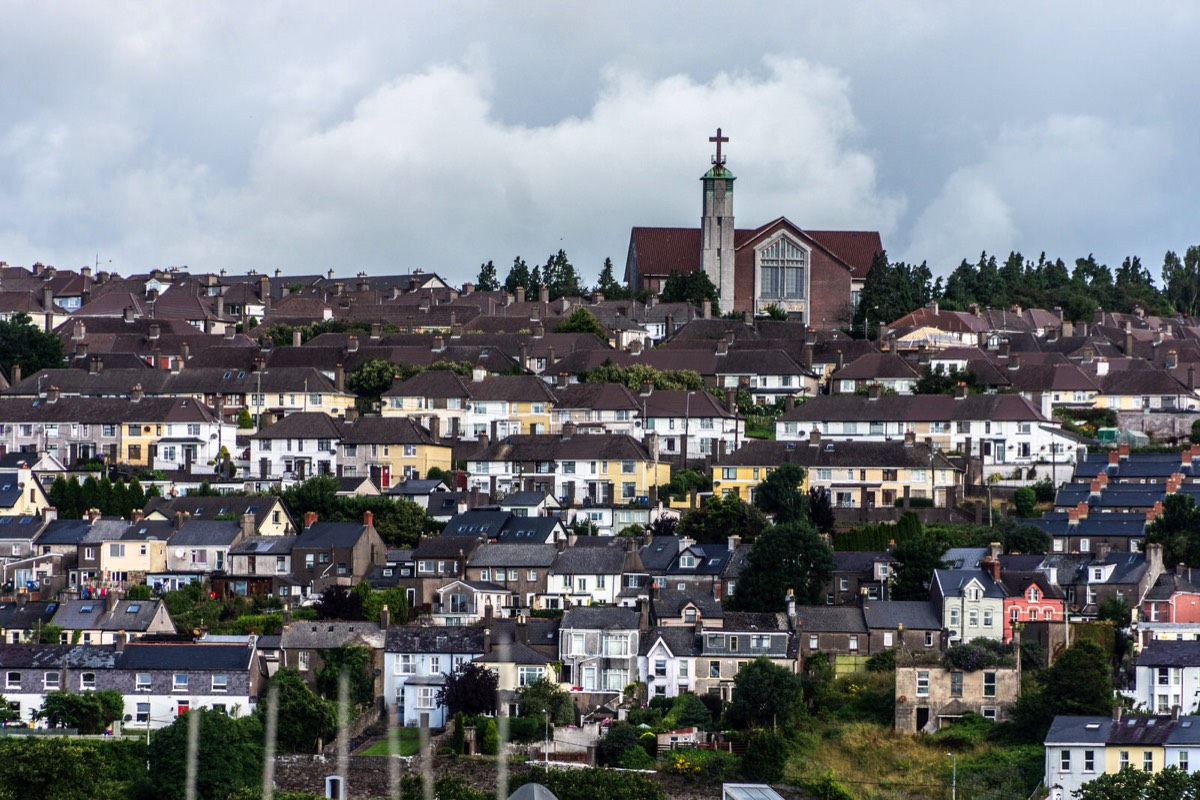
129	615
26	617
34	656
513	555
1079	730
321	634
264	545
830	619
1166	653
186	656
600	618
64	532
513	653
912	614
434	639
205	533
680	640
590	561
331	534
89	656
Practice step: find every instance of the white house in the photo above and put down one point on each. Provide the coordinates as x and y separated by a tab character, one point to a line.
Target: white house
971	603
297	447
691	421
1075	753
416	660
667	663
1168	675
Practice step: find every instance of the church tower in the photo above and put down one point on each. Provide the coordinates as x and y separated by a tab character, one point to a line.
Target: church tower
716	226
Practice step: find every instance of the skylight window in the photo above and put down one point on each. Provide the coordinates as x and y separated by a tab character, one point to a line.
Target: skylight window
86	609
133	609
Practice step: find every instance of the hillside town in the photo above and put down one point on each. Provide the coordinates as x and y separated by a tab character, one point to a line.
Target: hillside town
693	520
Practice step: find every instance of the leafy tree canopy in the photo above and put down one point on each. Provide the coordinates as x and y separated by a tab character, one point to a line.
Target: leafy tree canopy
543	697
634	375
695	288
88	712
487	280
918	554
720	517
1177	529
229	758
764	695
398	522
583	321
304	718
355	662
23	343
790	556
608	285
782	494
471	689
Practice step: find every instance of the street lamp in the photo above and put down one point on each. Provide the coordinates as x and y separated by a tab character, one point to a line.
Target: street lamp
953	776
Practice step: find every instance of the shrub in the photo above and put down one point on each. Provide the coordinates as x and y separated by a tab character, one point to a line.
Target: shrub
978	654
460	734
1024	499
592	782
766	757
1044	490
705	765
620	737
489	741
884	661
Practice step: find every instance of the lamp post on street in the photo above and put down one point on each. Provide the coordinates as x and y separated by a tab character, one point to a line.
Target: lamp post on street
953	776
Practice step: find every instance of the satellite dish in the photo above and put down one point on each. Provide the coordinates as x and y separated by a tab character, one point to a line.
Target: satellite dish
180	553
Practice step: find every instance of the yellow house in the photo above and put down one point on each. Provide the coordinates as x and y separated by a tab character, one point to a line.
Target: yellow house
397	447
21	493
270	516
142	549
516	665
856	474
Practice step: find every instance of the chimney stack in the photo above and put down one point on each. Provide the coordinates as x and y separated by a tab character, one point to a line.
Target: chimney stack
310	519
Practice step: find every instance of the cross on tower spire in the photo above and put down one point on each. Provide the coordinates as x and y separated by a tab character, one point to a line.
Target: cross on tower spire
718	159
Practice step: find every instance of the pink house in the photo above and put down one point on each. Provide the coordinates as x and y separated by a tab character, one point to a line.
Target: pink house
1175	597
1031	598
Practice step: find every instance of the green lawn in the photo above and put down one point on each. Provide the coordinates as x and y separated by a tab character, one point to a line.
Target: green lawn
409	744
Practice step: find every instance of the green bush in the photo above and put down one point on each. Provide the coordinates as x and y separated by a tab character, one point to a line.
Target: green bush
710	766
592	783
884	661
489	741
1024	499
766	757
460	733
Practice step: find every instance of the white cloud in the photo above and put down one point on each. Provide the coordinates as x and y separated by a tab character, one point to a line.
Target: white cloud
419	172
1082	182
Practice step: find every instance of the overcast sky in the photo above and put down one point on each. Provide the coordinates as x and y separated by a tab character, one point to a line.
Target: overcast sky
388	136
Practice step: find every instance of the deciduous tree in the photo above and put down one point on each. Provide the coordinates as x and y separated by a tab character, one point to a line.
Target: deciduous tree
229	757
22	342
764	695
791	556
782	494
471	689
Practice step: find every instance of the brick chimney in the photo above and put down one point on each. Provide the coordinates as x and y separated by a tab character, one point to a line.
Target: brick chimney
247	525
369	519
310	519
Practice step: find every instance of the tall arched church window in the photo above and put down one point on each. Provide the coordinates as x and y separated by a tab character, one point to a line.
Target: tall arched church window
782	267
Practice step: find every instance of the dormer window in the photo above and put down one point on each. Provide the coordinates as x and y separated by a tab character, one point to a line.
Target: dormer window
687	562
1033	595
690	615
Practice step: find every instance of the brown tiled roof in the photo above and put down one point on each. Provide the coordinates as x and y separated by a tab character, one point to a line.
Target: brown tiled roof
915	408
302	425
856	248
550	447
384	430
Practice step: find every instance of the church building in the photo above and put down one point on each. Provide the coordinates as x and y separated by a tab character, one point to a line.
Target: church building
816	276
